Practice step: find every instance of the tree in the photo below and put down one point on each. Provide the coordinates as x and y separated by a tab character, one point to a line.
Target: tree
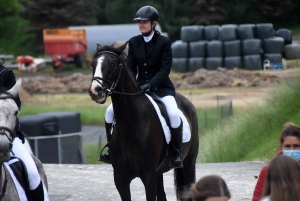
56	14
206	12
12	37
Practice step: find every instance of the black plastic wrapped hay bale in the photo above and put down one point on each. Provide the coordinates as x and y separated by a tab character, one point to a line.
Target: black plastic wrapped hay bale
228	32
68	122
292	51
196	63
180	65
252	47
233	62
264	30
245	31
286	35
180	49
232	48
197	49
273	45
214	48
192	33
34	125
211	32
274	58
212	63
252	62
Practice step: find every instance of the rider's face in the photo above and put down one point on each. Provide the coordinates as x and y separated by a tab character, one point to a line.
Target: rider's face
144	26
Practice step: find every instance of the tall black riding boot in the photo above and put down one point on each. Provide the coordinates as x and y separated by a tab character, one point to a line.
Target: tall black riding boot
106	157
38	193
177	141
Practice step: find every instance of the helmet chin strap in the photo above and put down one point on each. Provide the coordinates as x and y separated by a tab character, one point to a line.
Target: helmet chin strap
148	33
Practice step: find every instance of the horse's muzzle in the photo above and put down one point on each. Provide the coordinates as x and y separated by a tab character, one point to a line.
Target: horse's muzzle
98	94
5	148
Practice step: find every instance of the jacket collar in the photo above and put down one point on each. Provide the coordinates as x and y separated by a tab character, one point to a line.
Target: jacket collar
151	44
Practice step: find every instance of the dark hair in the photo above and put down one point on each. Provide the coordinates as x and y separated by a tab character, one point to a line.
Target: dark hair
289	129
208	186
283	179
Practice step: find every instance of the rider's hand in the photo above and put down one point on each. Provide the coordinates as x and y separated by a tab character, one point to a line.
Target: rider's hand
145	87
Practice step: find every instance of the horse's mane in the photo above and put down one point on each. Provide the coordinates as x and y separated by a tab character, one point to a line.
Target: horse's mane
123	56
111	48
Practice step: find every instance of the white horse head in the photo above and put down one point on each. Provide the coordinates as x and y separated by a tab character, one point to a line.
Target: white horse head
8	116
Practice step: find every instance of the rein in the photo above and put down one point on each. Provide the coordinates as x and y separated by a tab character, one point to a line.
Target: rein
118	75
5	185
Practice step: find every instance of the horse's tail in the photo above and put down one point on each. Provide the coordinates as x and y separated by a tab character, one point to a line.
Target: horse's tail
178	182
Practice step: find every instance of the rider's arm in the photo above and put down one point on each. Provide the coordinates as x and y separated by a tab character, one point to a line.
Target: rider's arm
165	65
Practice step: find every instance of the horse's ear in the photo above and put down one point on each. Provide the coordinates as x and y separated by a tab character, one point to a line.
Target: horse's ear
122	47
98	47
16	88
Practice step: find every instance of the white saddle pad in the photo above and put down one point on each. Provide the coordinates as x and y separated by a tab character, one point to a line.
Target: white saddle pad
20	190
186	131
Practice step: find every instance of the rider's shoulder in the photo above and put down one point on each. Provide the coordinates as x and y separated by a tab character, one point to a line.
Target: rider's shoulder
135	38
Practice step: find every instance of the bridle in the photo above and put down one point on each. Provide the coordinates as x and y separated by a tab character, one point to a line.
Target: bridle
117	77
13	134
4	128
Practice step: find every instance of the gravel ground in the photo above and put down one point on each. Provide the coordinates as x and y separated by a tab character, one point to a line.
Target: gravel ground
95	182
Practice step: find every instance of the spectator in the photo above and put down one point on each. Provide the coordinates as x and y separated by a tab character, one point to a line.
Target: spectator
209	188
283	180
289	145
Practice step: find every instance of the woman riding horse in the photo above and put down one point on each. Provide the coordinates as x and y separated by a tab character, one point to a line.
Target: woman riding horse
36	189
150	55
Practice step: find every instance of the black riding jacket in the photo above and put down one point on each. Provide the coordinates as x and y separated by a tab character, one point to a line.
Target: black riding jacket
152	61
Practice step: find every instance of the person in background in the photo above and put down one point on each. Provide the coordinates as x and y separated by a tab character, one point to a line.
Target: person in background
289	145
208	188
282	180
36	188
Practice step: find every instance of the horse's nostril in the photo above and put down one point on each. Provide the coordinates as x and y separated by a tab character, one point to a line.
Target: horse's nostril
98	89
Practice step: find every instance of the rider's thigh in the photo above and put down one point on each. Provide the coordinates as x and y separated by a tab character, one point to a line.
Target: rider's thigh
172	110
19	150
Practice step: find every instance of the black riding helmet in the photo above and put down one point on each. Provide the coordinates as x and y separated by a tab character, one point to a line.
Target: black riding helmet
147	13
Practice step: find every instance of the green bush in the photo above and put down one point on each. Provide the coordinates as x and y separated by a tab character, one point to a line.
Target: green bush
254	134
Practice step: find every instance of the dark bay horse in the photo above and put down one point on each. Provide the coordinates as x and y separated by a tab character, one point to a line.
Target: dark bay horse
138	146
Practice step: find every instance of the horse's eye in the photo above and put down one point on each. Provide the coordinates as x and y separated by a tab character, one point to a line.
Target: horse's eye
112	65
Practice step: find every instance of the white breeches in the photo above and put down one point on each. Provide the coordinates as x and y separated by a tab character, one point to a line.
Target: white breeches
170	104
21	152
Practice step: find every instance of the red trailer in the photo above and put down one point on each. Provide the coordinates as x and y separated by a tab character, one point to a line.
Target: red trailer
65	46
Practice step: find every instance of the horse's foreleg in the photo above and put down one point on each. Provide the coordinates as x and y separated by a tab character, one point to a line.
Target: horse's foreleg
150	183
160	192
123	186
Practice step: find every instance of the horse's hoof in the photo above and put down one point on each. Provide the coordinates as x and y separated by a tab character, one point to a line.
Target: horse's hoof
174	165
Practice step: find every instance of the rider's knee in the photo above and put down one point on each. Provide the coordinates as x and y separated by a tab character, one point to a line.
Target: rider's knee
109	115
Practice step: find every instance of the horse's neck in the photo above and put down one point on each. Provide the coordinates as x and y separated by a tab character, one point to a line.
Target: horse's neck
125	105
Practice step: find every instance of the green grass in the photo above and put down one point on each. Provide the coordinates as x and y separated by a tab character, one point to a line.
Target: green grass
91	151
253	134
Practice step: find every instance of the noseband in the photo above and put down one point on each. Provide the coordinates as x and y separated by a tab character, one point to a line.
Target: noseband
118	75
